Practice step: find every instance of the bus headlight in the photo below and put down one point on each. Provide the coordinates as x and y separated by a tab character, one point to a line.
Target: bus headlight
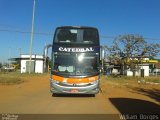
94	82
80	57
54	81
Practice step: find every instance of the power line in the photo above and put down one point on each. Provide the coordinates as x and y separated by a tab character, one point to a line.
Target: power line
113	37
25	32
51	34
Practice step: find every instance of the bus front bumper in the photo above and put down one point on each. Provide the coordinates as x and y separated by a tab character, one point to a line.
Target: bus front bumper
74	88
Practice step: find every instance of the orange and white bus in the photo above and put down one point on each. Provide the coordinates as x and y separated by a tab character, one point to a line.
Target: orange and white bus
75	61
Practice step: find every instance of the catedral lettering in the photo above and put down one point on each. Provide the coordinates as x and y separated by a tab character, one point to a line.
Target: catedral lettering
76	49
75	61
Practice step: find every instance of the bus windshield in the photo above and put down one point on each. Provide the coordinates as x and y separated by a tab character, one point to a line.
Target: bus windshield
76	35
79	64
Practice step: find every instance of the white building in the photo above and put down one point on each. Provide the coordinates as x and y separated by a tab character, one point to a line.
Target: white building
138	72
36	63
143	65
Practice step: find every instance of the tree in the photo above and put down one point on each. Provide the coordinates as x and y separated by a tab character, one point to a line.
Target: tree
151	50
132	46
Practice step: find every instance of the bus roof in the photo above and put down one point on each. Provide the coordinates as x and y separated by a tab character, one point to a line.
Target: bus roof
85	27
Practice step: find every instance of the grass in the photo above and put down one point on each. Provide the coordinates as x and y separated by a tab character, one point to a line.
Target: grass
17	78
123	79
130	82
8	78
153	79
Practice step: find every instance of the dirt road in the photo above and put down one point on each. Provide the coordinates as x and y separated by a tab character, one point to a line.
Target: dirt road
34	97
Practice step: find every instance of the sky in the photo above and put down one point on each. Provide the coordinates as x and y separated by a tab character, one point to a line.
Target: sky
111	17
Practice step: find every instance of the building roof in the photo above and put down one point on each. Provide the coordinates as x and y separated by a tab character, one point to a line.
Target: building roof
27	57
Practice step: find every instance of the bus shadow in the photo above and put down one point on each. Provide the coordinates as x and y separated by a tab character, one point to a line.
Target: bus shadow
154	93
135	106
73	95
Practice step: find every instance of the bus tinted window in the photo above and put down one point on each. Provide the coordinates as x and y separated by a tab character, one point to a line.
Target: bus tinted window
76	63
73	35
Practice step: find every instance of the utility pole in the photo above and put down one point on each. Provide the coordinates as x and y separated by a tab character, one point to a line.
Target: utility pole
31	40
20	51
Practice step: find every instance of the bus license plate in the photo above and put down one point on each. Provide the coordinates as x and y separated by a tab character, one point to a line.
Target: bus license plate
74	91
